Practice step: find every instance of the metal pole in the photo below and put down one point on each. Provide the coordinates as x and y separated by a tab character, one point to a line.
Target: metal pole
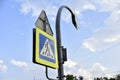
59	42
58	36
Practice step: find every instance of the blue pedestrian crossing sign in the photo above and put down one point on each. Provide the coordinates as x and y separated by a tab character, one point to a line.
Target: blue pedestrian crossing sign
45	51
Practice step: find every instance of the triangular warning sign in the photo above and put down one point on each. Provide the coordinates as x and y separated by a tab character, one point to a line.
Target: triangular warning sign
47	50
43	23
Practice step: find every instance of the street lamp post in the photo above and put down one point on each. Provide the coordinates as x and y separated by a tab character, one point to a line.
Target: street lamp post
58	36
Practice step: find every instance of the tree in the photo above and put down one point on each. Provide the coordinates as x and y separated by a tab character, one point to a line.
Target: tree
118	77
105	78
97	78
69	77
112	79
80	77
75	78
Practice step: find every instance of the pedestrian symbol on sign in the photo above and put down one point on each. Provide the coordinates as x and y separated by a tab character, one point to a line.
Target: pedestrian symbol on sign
47	49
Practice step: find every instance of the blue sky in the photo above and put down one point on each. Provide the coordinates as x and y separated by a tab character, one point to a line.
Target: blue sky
93	50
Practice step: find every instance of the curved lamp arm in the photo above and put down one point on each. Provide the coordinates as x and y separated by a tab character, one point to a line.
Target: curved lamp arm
72	14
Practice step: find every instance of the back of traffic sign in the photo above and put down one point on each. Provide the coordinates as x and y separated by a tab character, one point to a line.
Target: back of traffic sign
43	23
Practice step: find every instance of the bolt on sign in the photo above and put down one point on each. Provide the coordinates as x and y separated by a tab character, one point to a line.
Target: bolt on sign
44	49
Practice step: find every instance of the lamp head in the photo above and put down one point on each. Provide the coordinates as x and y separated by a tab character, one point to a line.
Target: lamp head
74	21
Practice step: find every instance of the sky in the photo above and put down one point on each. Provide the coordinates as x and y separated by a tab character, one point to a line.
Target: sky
92	51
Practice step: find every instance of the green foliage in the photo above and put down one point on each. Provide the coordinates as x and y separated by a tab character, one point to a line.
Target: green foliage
80	77
118	77
105	78
112	78
69	77
72	77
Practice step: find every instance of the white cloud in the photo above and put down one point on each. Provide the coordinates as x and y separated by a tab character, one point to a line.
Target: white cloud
98	66
51	7
70	63
109	34
89	6
108	5
35	7
112	39
102	40
3	67
25	9
97	70
85	73
38	71
90	44
19	63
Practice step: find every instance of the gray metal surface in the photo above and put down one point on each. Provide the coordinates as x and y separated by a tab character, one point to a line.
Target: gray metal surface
43	23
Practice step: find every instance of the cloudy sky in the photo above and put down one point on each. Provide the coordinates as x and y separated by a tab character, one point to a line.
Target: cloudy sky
92	51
